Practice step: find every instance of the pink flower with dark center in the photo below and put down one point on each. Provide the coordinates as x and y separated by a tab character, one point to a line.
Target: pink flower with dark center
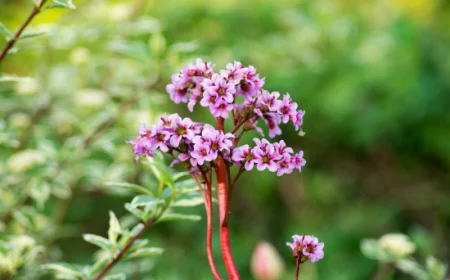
160	137
202	153
306	247
266	159
272	121
270	100
143	144
261	144
250	84
287	108
182	129
244	154
224	89
285	165
177	89
234	72
282	149
298	120
221	109
298	160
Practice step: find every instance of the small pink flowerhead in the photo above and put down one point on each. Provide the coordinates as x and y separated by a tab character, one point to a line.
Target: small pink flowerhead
306	247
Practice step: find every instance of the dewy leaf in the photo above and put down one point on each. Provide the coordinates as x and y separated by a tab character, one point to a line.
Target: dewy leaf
436	268
98	241
4	31
63	269
61	4
129	186
145	252
114	228
175	216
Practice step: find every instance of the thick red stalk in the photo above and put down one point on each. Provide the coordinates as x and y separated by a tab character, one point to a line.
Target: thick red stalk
209	252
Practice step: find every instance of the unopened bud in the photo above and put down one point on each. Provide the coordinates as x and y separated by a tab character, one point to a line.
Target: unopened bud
266	262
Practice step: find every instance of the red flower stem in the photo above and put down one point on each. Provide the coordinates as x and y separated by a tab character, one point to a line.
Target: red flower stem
224	212
297	270
207	198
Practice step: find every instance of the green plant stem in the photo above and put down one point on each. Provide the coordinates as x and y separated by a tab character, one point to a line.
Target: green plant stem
30	17
125	248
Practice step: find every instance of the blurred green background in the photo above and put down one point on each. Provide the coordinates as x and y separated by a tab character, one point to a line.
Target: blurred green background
373	77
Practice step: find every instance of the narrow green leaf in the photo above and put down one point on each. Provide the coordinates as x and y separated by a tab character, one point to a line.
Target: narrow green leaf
98	266
120	276
138	244
179	175
98	241
61	4
146	201
12	78
4	31
63	269
136	229
175	216
188	202
436	268
39	191
114	228
129	186
135	211
411	267
30	34
188	183
145	252
160	171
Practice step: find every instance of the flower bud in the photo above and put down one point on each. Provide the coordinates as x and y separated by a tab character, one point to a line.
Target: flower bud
266	262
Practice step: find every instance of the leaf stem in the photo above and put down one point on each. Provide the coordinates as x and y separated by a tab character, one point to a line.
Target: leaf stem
125	248
30	17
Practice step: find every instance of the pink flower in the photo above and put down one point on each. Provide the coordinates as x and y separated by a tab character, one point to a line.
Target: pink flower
298	161
182	129
287	108
267	158
306	247
272	121
143	145
177	89
201	153
221	87
160	137
298	120
250	84
285	165
244	154
221	109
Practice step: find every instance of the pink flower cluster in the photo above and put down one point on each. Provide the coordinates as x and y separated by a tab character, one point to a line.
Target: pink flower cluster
306	247
236	91
276	157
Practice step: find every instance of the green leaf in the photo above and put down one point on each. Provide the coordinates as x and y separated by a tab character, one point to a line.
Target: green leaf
39	191
98	241
4	31
135	211
145	252
12	78
436	268
30	34
157	43
114	228
63	269
175	217
129	186
373	250
146	201
138	244
188	202
160	171
179	175
136	229
411	267
98	266
120	276
61	4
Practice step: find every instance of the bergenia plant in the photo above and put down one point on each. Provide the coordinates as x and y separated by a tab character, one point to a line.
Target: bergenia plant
236	98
